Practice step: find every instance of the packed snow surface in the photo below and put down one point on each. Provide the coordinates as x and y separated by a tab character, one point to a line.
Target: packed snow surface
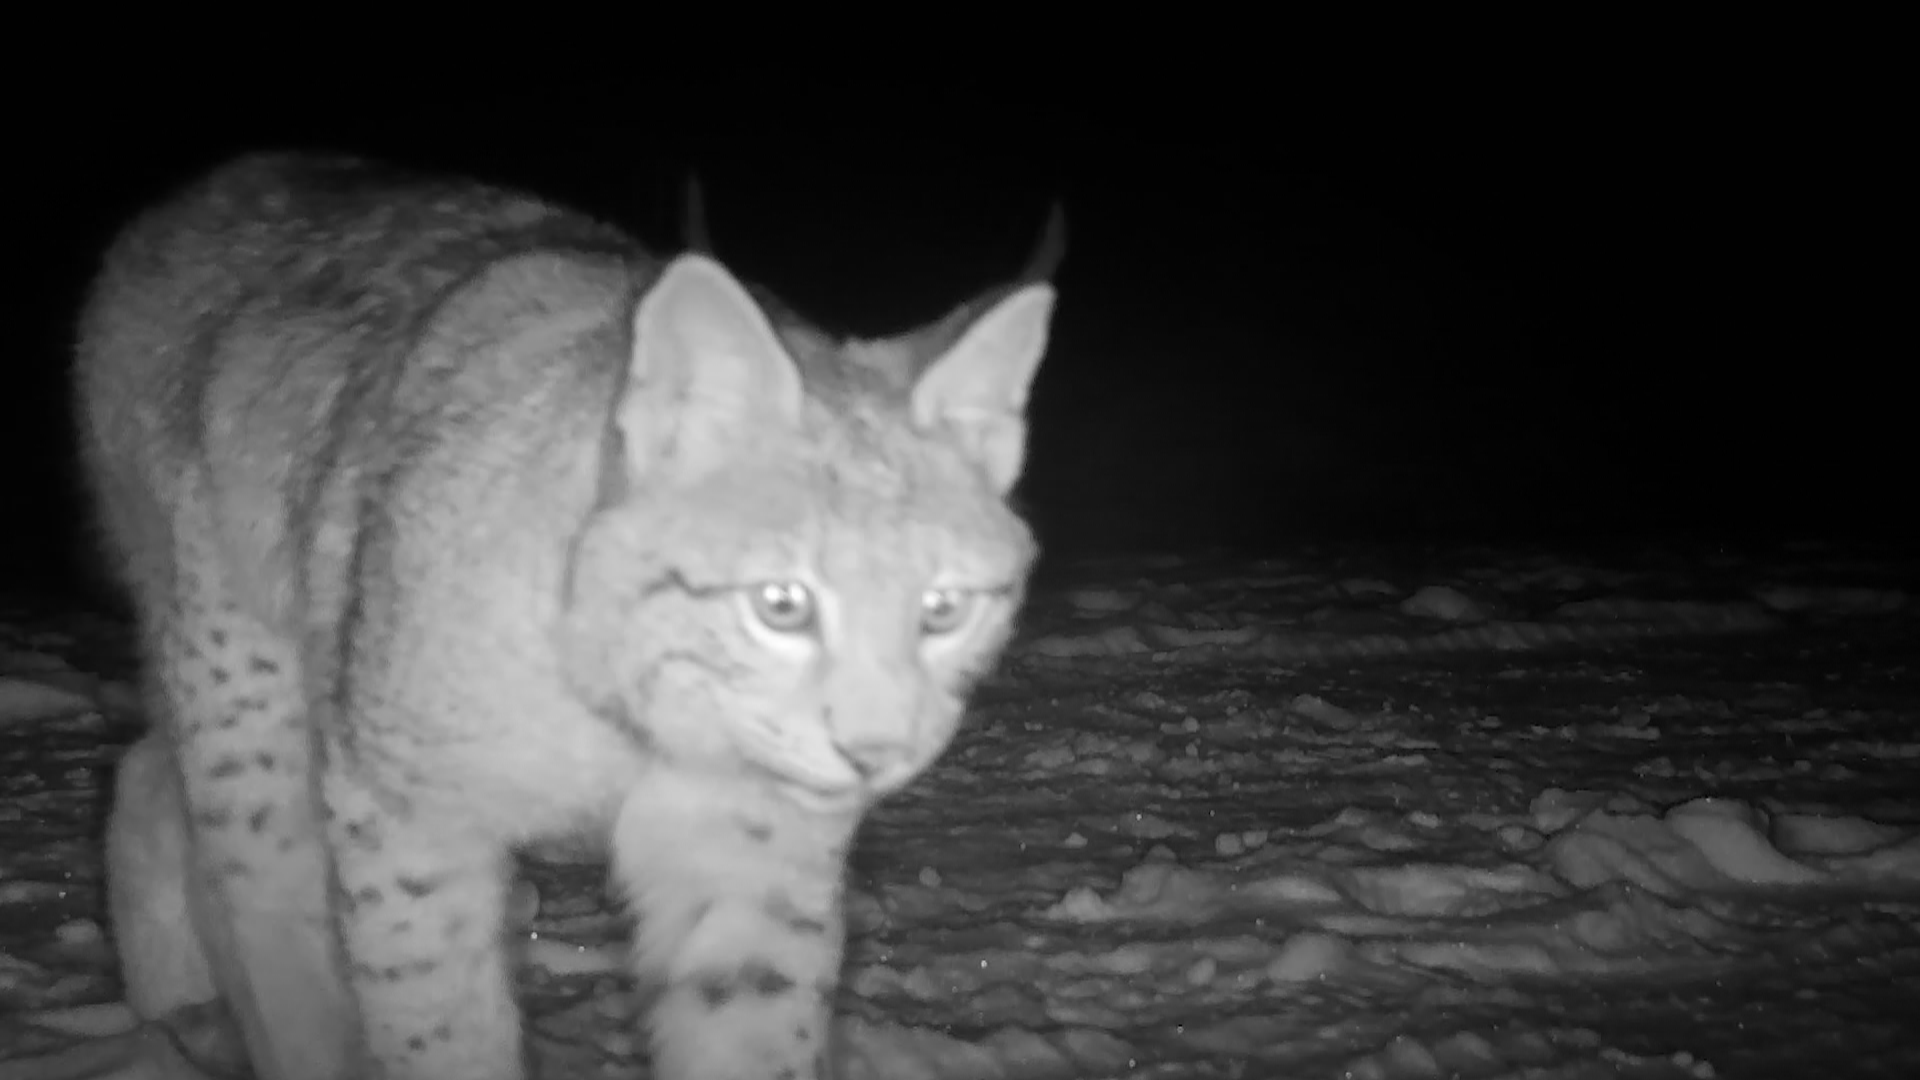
1386	814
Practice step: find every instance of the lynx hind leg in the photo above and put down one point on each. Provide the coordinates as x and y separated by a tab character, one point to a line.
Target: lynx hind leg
150	901
260	883
738	932
159	909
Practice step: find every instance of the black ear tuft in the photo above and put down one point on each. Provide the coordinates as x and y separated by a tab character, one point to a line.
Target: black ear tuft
1050	251
693	218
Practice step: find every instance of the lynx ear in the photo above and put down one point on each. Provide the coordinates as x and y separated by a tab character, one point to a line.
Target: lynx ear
707	376
977	391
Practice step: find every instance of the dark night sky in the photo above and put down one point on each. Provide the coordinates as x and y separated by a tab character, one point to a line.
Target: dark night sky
1608	307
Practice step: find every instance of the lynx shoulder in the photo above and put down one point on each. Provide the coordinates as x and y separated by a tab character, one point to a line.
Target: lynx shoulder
455	521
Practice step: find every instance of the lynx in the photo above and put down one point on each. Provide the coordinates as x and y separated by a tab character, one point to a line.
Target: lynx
454	521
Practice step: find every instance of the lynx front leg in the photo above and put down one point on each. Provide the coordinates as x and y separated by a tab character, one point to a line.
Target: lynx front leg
421	908
738	929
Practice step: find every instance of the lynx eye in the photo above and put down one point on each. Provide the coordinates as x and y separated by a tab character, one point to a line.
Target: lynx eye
784	606
942	611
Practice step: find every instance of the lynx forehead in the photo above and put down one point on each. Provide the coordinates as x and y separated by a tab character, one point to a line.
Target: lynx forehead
456	521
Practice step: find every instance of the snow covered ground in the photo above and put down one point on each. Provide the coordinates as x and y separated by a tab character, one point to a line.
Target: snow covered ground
1371	814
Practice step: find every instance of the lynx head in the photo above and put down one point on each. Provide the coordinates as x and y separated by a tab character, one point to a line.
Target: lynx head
804	556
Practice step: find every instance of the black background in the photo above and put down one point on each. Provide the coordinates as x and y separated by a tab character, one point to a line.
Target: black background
1625	302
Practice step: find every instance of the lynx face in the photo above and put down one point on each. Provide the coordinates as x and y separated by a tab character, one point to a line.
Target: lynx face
834	588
